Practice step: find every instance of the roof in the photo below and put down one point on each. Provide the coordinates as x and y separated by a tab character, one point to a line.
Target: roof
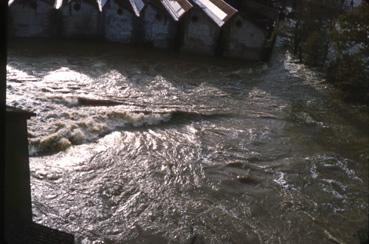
137	6
177	8
57	4
218	10
100	3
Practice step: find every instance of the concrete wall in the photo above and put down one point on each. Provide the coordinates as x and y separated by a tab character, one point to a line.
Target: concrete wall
32	19
17	208
158	26
17	203
200	33
243	39
120	23
81	19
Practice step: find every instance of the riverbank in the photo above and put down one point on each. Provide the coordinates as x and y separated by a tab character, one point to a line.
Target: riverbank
334	40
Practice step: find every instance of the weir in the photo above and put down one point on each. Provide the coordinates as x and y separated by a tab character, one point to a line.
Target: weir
17	211
142	145
229	28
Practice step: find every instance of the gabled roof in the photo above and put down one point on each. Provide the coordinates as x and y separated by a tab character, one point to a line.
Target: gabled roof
137	6
100	4
57	4
218	10
177	8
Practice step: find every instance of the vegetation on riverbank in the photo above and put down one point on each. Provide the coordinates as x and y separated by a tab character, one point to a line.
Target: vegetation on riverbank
334	37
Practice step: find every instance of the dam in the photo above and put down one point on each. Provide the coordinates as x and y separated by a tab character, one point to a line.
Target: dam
133	145
132	140
232	28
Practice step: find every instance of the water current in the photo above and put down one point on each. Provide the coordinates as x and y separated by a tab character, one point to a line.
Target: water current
132	145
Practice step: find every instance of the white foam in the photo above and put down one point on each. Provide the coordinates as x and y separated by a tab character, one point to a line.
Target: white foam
62	133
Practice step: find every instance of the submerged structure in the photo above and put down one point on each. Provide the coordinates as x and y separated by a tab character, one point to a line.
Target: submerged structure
231	28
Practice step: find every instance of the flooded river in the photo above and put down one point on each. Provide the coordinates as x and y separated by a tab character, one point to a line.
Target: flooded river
143	146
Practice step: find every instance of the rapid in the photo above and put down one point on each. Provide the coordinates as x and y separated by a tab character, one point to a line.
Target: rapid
133	145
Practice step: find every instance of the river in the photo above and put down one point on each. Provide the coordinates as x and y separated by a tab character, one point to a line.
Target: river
132	145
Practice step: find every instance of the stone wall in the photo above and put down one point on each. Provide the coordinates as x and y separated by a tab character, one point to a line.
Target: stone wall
200	33
158	26
80	19
243	39
120	23
32	19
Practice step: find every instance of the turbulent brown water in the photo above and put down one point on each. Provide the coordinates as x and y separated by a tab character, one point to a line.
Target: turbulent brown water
140	146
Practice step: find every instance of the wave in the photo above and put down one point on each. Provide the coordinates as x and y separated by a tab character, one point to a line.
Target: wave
69	130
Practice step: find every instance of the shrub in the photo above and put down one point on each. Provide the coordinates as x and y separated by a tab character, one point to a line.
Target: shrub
315	49
350	70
